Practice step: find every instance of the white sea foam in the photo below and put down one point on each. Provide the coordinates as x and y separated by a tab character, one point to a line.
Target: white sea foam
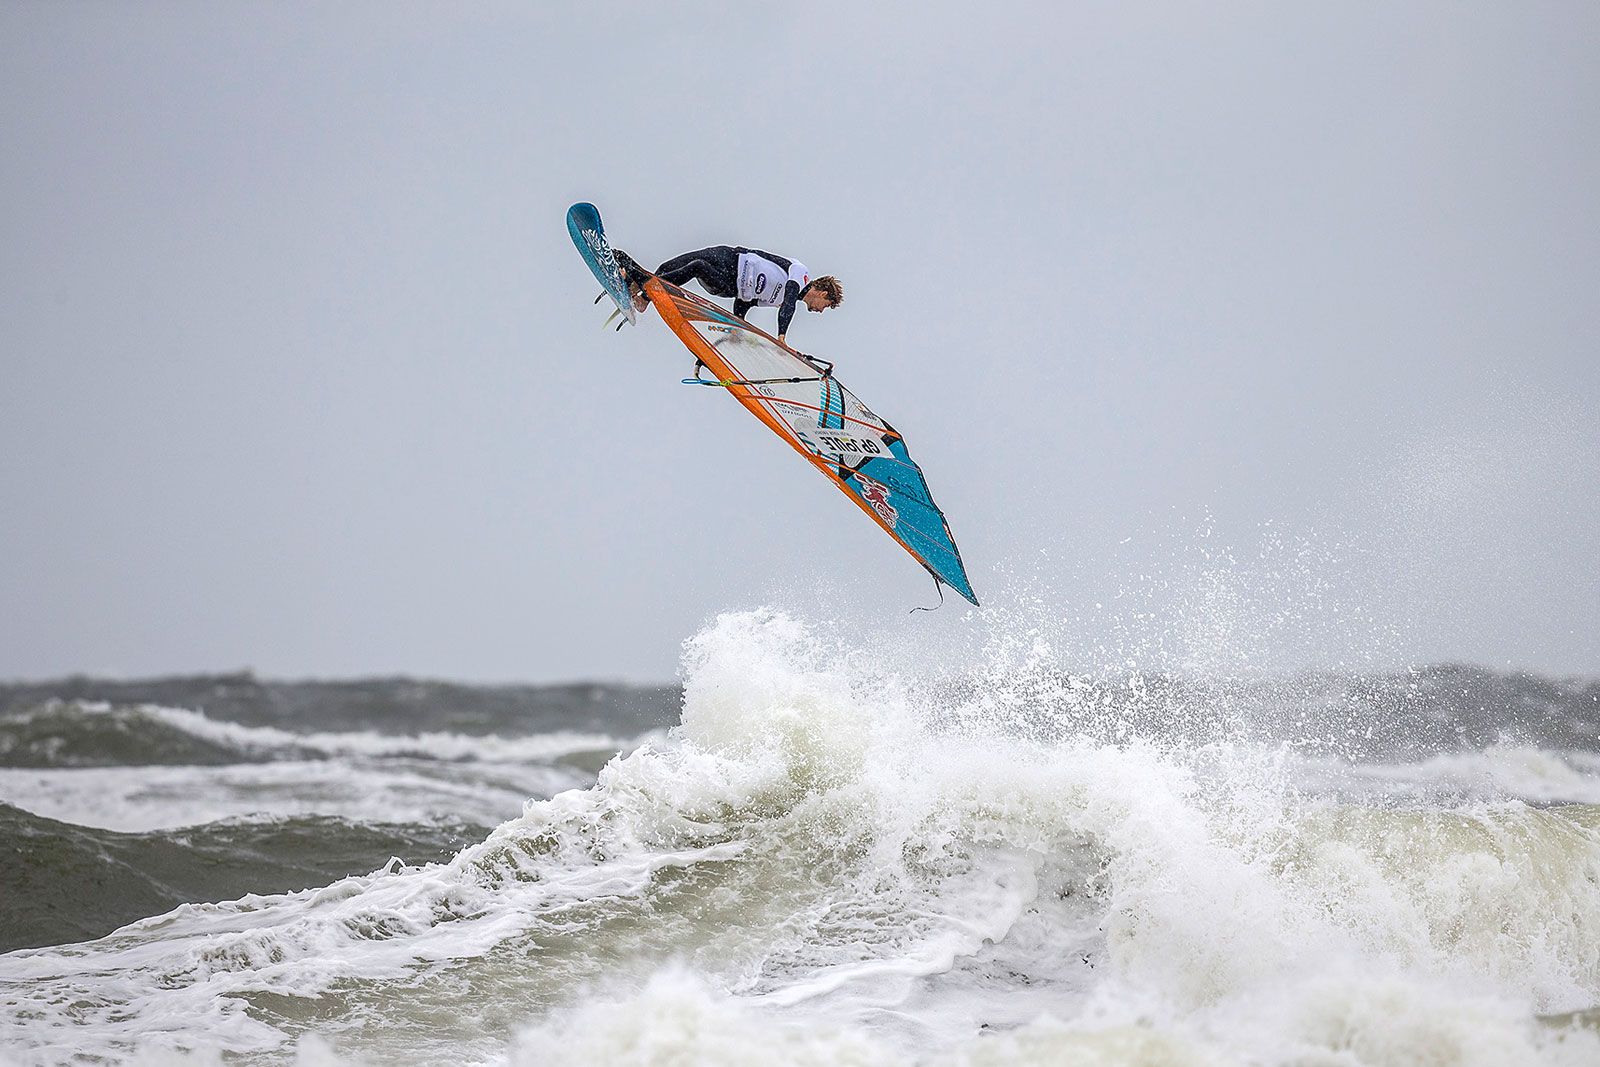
140	799
438	745
1498	772
359	775
825	865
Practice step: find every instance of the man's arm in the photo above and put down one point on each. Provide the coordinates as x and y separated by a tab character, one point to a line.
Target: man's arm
741	308
791	295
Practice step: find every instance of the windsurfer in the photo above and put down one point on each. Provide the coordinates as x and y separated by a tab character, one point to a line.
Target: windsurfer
751	277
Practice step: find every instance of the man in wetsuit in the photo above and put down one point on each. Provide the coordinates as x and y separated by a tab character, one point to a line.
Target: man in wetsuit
751	277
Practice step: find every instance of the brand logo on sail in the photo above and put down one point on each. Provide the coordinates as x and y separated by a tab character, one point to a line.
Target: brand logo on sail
876	494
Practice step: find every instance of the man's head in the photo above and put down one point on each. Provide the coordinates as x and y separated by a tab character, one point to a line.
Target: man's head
823	293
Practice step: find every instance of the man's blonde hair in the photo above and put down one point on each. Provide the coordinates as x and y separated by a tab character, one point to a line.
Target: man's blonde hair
829	287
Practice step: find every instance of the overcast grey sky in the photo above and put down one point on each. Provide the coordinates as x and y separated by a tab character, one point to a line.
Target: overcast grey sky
1240	312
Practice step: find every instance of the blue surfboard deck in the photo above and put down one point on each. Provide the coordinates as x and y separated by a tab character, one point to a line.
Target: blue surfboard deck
583	223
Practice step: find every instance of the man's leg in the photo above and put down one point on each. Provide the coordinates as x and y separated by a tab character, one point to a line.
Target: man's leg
715	268
683	269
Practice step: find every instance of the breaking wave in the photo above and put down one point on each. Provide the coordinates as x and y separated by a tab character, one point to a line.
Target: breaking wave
826	862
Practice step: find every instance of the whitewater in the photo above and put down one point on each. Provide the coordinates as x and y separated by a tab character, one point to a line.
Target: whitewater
828	855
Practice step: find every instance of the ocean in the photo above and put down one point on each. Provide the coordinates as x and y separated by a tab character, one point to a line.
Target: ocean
807	852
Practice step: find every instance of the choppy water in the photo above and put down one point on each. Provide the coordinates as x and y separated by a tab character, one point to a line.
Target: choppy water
826	859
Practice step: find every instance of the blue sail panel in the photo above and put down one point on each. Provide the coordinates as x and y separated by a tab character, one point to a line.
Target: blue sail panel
895	489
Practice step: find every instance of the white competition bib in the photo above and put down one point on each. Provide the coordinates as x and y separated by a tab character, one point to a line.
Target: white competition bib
762	281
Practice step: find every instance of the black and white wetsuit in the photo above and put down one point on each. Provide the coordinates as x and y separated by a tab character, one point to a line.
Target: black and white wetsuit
751	277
